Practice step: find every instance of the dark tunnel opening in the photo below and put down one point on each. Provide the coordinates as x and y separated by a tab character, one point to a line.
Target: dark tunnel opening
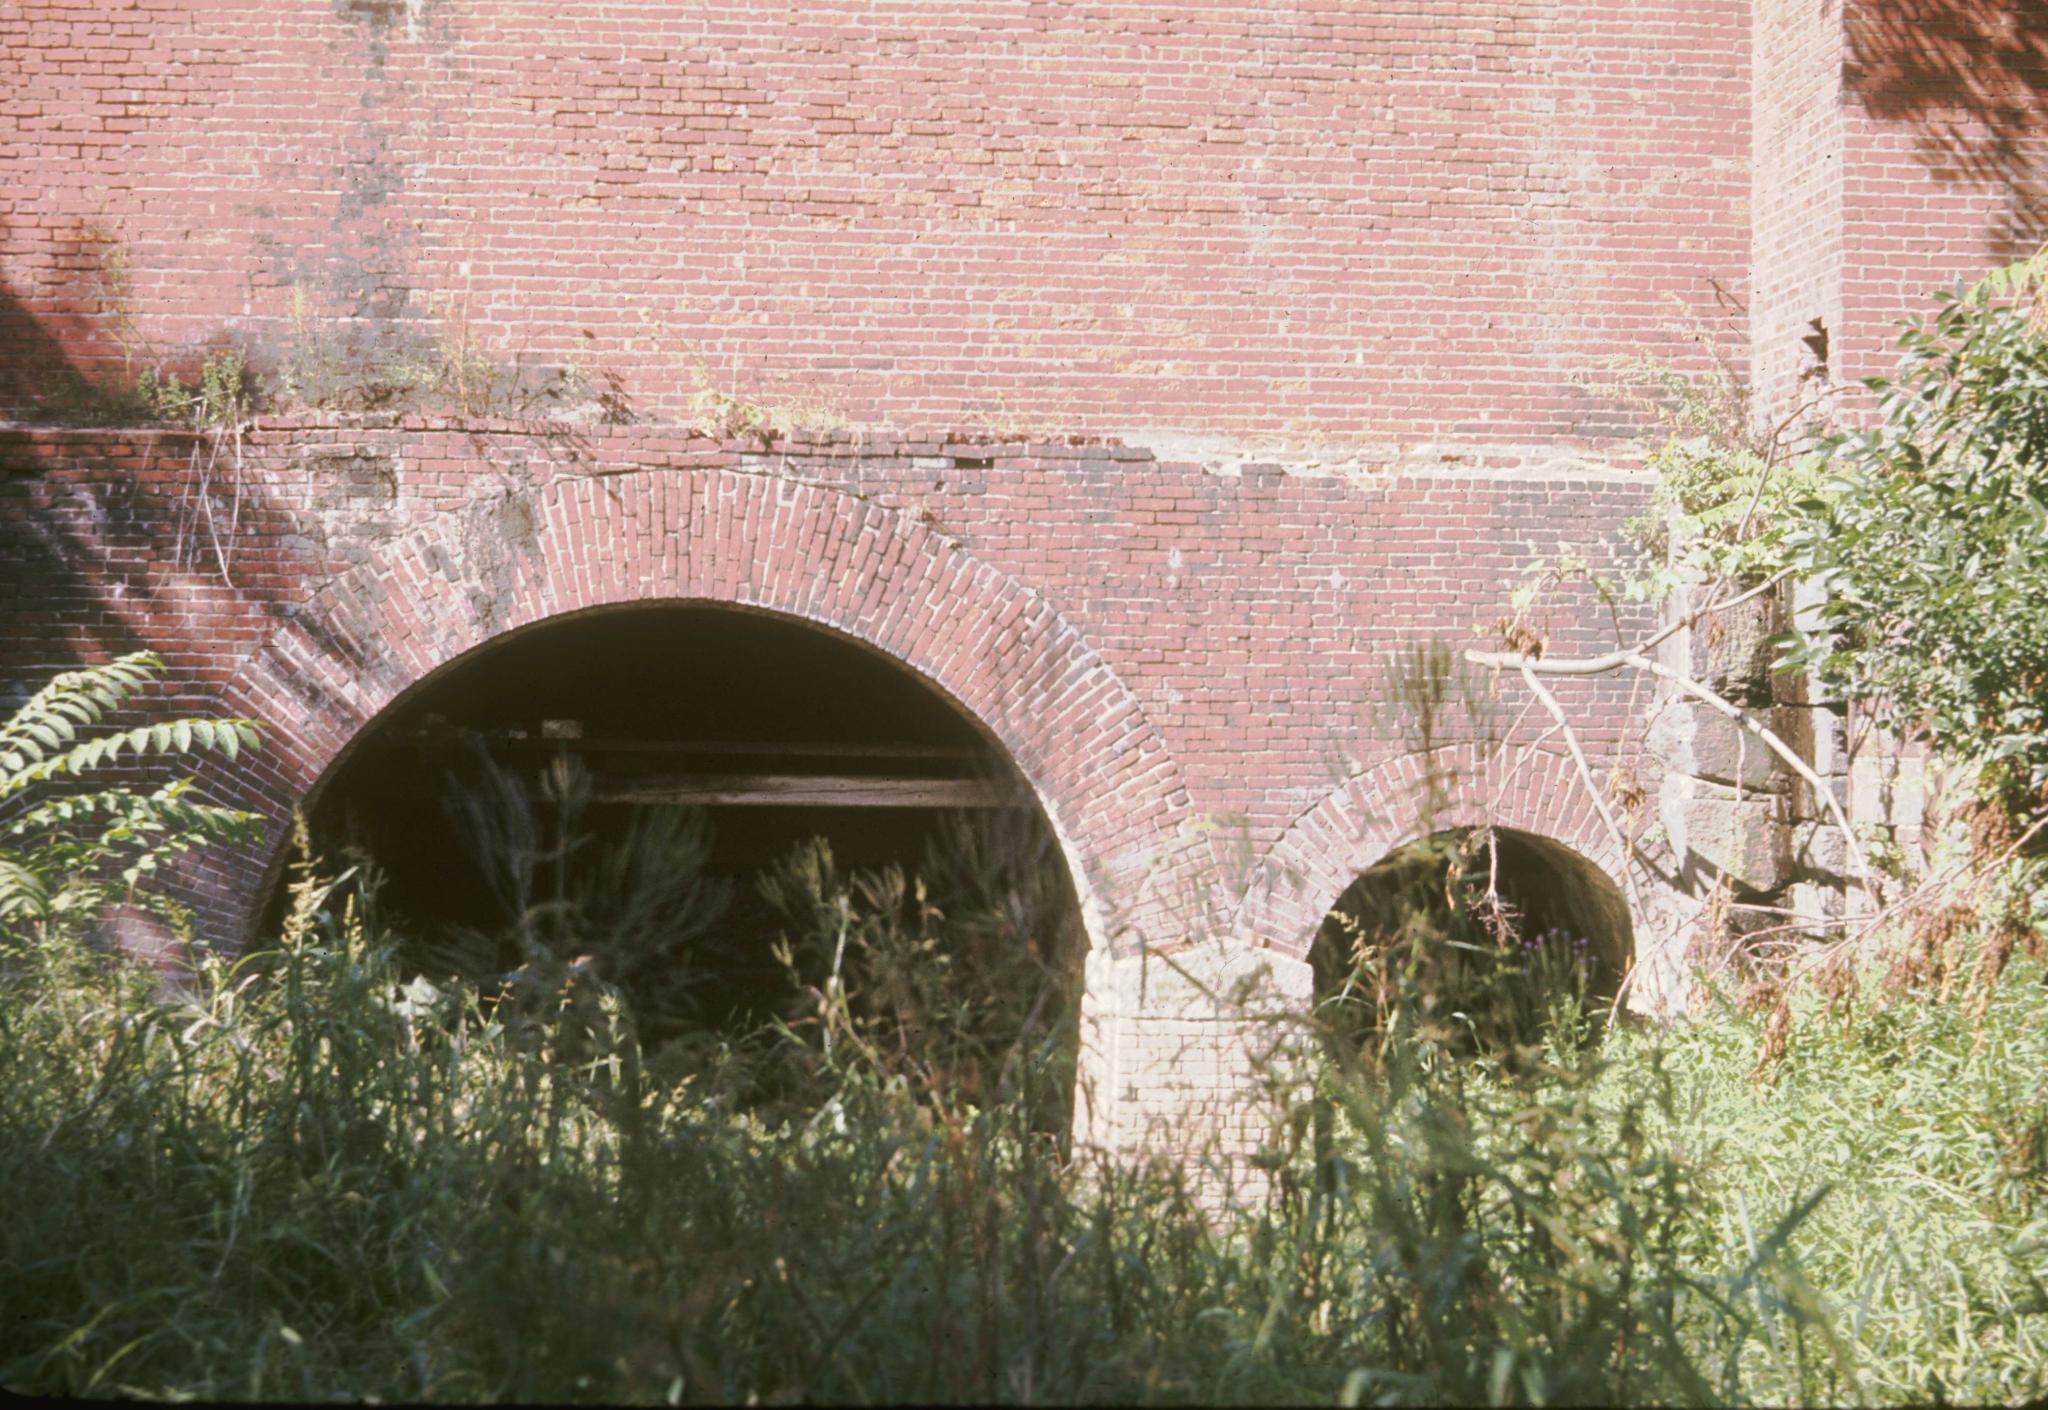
1478	938
682	790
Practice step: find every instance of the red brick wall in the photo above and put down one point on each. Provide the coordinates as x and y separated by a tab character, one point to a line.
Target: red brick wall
1899	147
1346	232
1250	625
1336	270
1946	161
1311	220
1796	202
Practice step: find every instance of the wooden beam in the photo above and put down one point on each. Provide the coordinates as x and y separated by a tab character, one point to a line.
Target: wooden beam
792	749
805	749
806	791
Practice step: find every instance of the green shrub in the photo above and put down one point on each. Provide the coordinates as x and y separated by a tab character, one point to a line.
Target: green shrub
1932	540
316	1174
1920	1120
69	845
320	1171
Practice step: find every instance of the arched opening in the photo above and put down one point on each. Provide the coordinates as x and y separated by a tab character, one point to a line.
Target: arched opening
705	805
1484	940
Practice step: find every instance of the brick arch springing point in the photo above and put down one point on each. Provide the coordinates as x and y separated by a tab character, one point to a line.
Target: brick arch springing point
999	652
1366	817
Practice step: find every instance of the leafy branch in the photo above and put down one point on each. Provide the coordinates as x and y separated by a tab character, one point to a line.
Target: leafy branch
1926	533
1724	504
58	852
1931	540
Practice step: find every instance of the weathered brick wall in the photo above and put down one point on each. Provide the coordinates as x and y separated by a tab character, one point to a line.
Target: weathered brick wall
1337	273
1796	198
1315	220
1197	671
1945	159
1254	618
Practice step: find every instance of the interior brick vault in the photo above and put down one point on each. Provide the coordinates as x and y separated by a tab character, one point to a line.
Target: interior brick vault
1145	379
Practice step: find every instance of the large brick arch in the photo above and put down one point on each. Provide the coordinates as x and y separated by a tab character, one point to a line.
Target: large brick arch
1000	652
1362	819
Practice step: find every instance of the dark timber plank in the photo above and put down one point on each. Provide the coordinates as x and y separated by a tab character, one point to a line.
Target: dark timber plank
714	747
805	791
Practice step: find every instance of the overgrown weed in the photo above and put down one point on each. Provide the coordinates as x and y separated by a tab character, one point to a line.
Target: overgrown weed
320	1172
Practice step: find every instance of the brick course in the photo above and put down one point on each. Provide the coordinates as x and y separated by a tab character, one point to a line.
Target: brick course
1305	220
1264	332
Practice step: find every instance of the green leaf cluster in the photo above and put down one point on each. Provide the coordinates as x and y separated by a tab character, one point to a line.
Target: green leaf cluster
67	847
1930	538
1720	513
1926	533
224	395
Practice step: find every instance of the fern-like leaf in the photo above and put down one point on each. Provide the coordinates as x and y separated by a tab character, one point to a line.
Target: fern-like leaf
79	697
54	714
58	853
228	737
23	892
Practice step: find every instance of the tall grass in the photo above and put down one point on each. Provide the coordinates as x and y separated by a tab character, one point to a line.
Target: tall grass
1917	1126
320	1172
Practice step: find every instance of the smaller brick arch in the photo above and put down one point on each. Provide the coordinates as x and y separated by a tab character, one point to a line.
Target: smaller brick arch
998	651
1361	820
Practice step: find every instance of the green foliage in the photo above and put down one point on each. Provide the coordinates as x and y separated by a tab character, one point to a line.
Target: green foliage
223	397
630	911
1923	1114
1932	540
64	842
318	1172
1719	486
957	976
312	1175
1928	531
798	413
957	980
1533	1241
1425	951
1719	514
443	362
1710	407
727	415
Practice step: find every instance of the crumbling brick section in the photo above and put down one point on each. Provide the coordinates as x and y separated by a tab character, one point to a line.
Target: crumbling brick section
1183	663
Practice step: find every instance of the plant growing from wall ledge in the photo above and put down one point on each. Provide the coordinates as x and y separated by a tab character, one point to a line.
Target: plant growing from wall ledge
1928	535
218	406
442	362
67	848
1931	540
803	414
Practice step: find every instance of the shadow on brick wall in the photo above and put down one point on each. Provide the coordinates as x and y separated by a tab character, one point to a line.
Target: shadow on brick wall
56	341
33	360
55	617
1971	78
